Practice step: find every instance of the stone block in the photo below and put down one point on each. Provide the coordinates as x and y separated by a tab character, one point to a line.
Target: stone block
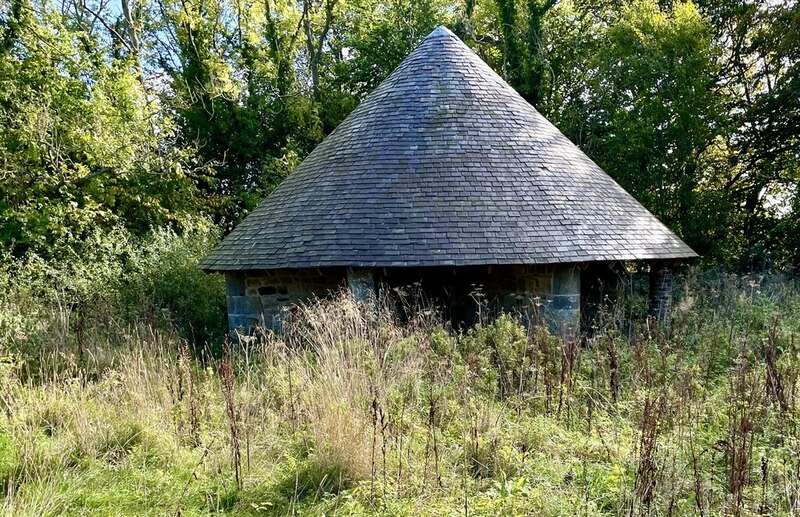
361	282
565	320
660	292
538	284
244	305
561	302
567	280
234	284
238	321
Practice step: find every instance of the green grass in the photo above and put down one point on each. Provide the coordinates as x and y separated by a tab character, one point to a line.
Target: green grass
356	413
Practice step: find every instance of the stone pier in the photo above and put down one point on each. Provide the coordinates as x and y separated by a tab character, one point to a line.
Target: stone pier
660	291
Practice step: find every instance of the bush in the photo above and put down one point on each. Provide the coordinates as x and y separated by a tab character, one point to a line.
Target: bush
120	282
163	283
499	354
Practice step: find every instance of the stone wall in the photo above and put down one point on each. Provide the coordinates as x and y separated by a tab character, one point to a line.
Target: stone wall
361	282
565	298
259	298
549	291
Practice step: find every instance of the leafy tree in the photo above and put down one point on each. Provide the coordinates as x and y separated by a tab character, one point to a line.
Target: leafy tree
381	34
658	112
524	59
163	112
761	69
233	92
82	146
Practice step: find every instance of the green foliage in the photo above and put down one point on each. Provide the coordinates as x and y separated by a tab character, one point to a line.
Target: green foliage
163	282
163	112
498	354
347	416
83	147
152	280
381	35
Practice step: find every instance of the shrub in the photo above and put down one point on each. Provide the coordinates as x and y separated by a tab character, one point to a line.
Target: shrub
52	307
498	354
163	283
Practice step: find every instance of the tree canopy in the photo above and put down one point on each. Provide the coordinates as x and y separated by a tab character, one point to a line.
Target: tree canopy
142	114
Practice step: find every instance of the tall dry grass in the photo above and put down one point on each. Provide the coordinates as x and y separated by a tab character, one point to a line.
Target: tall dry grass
363	408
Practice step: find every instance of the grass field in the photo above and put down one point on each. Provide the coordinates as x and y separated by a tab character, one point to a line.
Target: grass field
353	412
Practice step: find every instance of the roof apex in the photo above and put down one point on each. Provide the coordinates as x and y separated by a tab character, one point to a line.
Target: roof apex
441	31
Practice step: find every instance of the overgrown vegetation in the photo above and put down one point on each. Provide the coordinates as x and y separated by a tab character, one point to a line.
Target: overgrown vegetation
61	311
107	408
129	132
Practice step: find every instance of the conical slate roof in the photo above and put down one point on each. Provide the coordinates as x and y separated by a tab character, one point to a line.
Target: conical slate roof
445	164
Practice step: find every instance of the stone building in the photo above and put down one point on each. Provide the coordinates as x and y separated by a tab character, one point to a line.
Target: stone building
445	176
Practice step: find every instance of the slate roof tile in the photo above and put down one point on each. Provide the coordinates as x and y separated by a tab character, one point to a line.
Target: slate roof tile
445	164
